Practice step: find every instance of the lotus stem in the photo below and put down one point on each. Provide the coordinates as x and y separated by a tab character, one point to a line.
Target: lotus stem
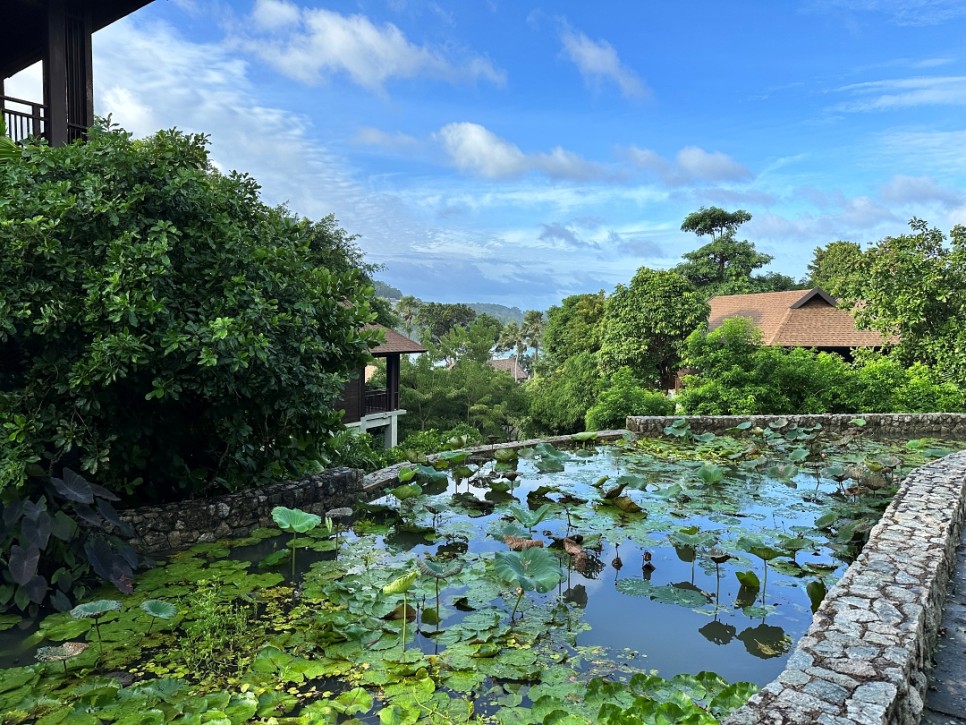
100	643
294	534
405	619
514	612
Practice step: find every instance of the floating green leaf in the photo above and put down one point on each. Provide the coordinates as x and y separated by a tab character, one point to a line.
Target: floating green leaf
295	519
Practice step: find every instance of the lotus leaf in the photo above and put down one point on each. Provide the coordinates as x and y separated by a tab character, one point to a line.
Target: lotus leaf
158	609
533	569
529	518
406	491
402	584
95	609
295	520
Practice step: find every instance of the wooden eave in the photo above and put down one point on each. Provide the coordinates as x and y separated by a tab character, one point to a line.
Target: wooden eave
23	27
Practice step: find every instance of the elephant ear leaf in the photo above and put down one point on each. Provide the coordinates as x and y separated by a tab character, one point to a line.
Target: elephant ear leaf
73	487
23	563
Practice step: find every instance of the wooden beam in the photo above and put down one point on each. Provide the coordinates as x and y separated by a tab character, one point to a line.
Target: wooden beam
55	73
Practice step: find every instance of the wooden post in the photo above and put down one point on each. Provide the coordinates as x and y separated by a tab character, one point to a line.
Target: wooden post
55	73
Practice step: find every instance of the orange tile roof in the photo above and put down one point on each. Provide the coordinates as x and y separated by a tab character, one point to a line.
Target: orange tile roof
395	343
799	318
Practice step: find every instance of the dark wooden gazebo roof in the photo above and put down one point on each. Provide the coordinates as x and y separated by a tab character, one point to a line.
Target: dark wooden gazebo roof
57	32
23	32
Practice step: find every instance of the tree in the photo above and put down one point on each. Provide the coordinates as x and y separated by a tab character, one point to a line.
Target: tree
645	325
160	326
513	336
835	268
914	286
624	396
474	342
725	265
533	331
407	308
438	318
714	221
573	327
559	400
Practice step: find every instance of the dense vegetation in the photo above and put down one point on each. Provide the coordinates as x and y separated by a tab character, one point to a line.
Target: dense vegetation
596	358
161	329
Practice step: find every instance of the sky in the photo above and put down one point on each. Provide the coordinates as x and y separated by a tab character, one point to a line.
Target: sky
519	152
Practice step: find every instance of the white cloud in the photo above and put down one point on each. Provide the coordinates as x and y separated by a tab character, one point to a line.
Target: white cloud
275	14
690	165
374	137
313	44
902	189
905	93
475	149
598	63
902	12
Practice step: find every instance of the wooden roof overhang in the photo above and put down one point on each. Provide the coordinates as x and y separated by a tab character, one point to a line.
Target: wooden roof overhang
23	26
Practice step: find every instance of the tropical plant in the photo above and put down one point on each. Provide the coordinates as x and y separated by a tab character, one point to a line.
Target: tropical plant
439	571
402	585
162	327
9	151
95	610
645	325
296	521
622	396
56	539
529	518
157	609
532	569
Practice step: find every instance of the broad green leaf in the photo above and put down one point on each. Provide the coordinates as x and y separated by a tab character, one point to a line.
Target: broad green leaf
532	569
295	519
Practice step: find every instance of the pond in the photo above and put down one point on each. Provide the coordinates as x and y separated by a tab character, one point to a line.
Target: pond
648	578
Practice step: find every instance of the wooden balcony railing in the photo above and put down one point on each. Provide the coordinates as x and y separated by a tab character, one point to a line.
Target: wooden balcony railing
24	119
380	401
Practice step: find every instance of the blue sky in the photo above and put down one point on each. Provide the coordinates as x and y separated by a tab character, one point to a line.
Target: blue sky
517	152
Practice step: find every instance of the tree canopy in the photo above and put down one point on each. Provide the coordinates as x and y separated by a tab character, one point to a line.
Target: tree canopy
162	327
714	221
645	324
835	268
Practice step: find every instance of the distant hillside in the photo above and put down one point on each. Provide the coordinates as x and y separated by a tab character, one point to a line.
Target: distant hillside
386	290
501	312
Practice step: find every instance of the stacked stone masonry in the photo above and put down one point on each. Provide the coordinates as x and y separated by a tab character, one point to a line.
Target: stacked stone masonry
160	529
864	658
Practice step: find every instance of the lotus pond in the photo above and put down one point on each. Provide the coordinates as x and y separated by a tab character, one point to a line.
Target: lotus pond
651	580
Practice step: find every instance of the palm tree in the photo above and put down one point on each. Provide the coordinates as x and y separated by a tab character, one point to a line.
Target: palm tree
407	307
532	330
513	337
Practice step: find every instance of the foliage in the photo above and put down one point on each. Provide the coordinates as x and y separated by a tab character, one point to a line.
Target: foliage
473	342
735	375
646	323
9	151
714	221
532	327
214	631
559	400
354	449
914	286
573	327
160	324
470	392
624	396
836	268
432	441
407	310
436	319
56	541
725	266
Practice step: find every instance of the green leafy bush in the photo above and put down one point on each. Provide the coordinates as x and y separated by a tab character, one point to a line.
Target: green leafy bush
160	324
623	397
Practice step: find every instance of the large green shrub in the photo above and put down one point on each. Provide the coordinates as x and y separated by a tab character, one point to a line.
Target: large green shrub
160	324
559	400
622	397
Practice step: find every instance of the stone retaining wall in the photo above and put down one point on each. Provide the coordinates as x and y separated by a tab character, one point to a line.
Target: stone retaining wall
179	525
864	657
887	425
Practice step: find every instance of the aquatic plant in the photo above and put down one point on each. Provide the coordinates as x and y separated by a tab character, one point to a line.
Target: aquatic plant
158	609
529	518
60	653
439	571
402	585
764	552
532	569
95	610
296	521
